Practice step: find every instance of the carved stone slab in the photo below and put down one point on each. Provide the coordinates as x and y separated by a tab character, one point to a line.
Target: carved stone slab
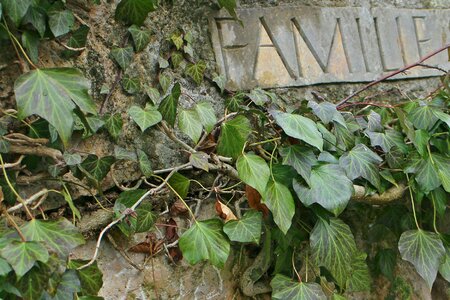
298	46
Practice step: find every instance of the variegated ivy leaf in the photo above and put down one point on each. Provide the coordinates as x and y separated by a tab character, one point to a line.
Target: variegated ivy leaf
205	240
424	250
53	94
333	247
362	162
285	288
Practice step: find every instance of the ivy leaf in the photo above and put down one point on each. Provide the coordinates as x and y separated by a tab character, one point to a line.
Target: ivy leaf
386	260
362	162
33	284
113	124
180	184
177	40
16	10
144	118
135	11
131	85
164	81
122	153
423	117
168	106
286	289
374	122
221	82
144	163
424	250
327	112
60	235
333	247
360	279
145	218
443	168
77	40
205	241
299	127
97	167
5	268
245	230
230	6
72	159
329	187
421	138
91	278
127	199
199	160
233	135
300	158
140	37
387	140
153	94
123	56
196	71
177	58
254	171
68	284
259	96
427	176
22	255
36	17
207	116
60	21
278	199
30	40
443	117
53	94
190	124
444	268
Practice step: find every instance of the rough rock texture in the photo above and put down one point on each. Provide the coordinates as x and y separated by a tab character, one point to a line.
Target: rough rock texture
183	282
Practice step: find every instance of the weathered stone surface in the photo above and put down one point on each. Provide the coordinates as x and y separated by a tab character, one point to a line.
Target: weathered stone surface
299	45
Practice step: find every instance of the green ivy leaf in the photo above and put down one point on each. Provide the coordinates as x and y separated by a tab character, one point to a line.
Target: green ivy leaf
22	255
423	117
72	159
279	200
153	94
196	71
67	286
180	184
254	171
177	58
97	167
60	235
424	250
199	160
168	106
190	124
123	56
221	82
360	279
387	140
427	176
165	82
30	40
113	124
16	10
140	37
144	118
329	187
131	85
286	289
4	146
77	40
421	138
299	127
443	117
36	17
245	230
344	137
300	158
60	21
33	284
443	168
333	247
362	162
135	11
91	278
374	122
386	260
122	153
327	112
53	94
145	218
444	268
205	241
230	6
126	200
207	116
233	135
144	163
5	268
259	96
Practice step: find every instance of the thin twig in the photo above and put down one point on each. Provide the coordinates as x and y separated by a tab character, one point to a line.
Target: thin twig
28	201
14	164
402	70
173	137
